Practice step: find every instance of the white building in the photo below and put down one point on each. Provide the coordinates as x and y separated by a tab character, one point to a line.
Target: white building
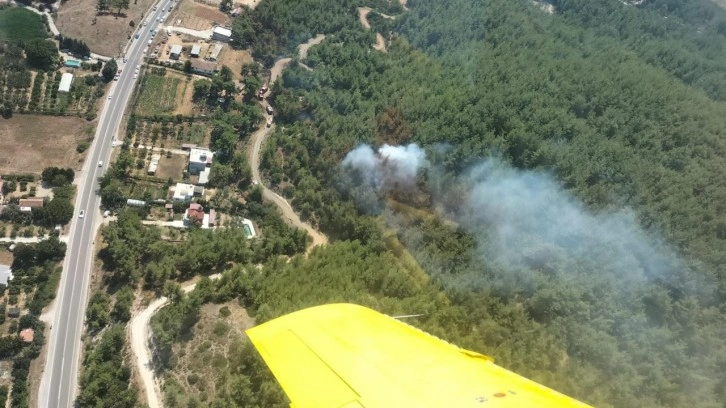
199	160
154	164
184	192
221	34
215	51
204	176
195	51
6	275
135	203
65	83
175	51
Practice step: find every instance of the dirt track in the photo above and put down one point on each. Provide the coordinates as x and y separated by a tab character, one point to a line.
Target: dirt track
140	346
363	12
258	139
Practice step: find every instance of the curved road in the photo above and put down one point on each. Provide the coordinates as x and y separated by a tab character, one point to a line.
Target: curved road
140	338
258	139
58	386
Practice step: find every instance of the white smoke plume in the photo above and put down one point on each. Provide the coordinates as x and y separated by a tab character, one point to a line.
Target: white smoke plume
389	166
522	220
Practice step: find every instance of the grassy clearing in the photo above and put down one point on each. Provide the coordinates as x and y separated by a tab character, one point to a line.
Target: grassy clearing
158	95
171	167
20	24
196	133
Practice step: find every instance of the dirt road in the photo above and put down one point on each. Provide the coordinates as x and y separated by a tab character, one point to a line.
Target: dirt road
280	64
303	49
276	69
258	139
363	16
288	214
140	338
363	12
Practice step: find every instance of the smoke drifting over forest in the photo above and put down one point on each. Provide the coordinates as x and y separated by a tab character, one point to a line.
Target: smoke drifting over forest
522	220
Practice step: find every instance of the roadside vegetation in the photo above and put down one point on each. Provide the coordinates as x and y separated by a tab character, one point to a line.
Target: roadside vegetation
36	269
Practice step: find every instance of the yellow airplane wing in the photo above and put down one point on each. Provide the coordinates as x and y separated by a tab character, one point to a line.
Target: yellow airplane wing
344	355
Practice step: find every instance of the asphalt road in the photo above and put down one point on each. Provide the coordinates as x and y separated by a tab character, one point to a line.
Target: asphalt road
58	386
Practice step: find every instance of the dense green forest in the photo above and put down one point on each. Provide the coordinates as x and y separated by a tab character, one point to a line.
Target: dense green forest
609	115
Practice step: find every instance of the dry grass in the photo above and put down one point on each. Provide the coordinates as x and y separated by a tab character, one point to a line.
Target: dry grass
234	59
184	103
211	14
248	3
105	34
6	257
197	16
171	167
31	143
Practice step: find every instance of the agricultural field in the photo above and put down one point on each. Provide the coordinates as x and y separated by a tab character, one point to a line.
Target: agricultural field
31	143
158	95
170	134
28	91
20	24
214	348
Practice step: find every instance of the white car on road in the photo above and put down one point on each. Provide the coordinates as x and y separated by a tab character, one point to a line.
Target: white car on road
81	214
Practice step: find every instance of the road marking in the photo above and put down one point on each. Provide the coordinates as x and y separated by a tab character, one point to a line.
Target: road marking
110	117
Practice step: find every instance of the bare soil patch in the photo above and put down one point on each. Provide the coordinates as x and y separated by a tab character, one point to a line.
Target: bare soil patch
234	59
249	3
171	167
6	257
105	34
363	16
184	103
196	16
380	44
31	143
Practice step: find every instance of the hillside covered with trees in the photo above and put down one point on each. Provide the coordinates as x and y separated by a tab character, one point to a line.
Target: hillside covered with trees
594	133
